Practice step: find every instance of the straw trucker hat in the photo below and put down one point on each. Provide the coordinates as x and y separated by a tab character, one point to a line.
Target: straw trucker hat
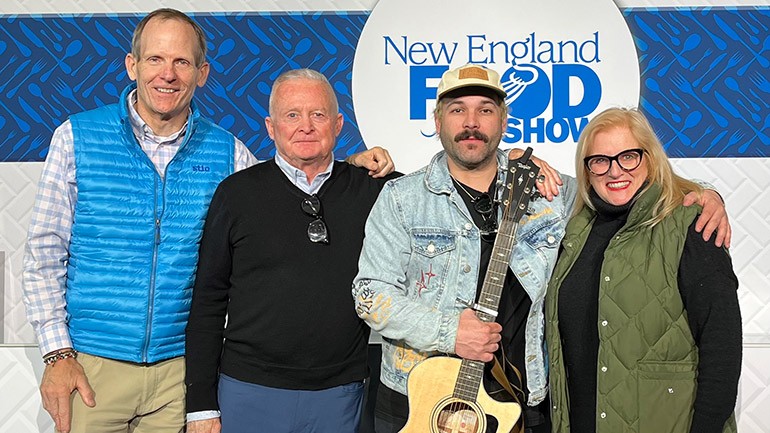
470	75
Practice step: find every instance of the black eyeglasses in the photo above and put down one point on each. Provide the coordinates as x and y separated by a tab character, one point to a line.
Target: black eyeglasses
316	230
627	160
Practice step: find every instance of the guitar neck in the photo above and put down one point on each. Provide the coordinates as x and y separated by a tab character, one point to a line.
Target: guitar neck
469	380
471	372
492	289
517	191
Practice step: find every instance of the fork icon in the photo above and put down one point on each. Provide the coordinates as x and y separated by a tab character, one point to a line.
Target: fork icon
66	91
734	139
264	67
761	82
37	67
682	84
730	63
653	63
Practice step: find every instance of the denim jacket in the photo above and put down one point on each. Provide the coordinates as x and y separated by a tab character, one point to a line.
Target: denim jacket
419	268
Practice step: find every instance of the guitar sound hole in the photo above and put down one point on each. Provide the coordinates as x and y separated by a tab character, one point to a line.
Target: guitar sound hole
458	417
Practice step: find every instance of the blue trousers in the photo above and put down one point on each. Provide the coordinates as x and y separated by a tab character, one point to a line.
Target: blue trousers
251	408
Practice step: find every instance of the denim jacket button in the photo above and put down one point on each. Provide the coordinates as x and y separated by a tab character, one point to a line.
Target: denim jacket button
431	248
467	268
468	226
551	239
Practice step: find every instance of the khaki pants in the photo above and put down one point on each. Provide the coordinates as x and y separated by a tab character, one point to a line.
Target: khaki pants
131	398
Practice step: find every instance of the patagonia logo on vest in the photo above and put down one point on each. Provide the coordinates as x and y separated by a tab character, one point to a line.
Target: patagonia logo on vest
201	168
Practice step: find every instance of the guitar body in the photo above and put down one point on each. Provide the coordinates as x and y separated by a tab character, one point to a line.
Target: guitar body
433	409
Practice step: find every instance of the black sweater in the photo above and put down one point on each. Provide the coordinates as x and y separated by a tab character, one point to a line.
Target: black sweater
291	321
708	287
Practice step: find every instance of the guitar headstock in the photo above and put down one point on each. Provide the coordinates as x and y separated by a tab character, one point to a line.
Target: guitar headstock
519	186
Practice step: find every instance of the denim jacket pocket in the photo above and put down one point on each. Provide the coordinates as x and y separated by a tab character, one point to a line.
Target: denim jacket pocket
544	239
431	257
547	234
432	242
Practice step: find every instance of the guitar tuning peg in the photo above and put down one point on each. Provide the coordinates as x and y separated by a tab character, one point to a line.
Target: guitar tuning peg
536	194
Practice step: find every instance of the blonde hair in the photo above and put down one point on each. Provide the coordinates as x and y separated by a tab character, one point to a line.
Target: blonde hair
659	171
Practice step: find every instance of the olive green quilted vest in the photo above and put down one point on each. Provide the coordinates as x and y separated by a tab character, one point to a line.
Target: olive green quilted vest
647	360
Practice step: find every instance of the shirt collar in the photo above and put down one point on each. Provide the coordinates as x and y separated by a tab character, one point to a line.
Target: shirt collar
299	178
142	130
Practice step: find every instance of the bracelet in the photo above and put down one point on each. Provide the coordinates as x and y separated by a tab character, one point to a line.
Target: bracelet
58	355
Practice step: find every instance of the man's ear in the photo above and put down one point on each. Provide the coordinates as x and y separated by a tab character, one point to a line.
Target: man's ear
269	127
130	62
204	74
338	124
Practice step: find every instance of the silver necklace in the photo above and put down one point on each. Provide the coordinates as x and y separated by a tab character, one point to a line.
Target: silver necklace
484	206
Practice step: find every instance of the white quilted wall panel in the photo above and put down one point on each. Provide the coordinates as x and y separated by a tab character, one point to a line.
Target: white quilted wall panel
20	407
18	183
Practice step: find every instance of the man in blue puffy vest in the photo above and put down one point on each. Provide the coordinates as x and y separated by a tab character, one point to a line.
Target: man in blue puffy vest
113	239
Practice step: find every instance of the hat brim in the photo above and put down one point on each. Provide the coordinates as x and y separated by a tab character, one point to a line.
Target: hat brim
473	89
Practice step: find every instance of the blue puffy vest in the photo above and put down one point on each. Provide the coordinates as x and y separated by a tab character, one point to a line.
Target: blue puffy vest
135	234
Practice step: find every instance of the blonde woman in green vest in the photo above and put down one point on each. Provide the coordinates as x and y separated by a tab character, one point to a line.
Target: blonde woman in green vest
643	324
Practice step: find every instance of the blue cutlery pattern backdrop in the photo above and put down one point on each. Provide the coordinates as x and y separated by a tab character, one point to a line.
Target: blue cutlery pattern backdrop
705	74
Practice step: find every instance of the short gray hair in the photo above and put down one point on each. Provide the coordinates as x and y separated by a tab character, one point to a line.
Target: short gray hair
303	74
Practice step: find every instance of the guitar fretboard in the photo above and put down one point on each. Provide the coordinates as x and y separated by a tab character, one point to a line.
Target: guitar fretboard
517	192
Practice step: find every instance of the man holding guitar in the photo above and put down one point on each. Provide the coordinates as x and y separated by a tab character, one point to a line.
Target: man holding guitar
431	238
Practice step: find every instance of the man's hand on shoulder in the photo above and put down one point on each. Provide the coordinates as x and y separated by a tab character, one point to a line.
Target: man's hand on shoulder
60	379
713	218
548	180
377	160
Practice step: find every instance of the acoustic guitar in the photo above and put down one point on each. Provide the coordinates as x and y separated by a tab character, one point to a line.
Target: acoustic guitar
446	394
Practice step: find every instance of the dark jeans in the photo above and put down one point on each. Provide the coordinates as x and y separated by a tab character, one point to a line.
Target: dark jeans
249	408
383	426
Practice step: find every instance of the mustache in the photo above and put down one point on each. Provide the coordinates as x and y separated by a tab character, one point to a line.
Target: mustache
472	133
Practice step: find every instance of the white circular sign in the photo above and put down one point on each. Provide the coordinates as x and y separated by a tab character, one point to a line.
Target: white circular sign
561	63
